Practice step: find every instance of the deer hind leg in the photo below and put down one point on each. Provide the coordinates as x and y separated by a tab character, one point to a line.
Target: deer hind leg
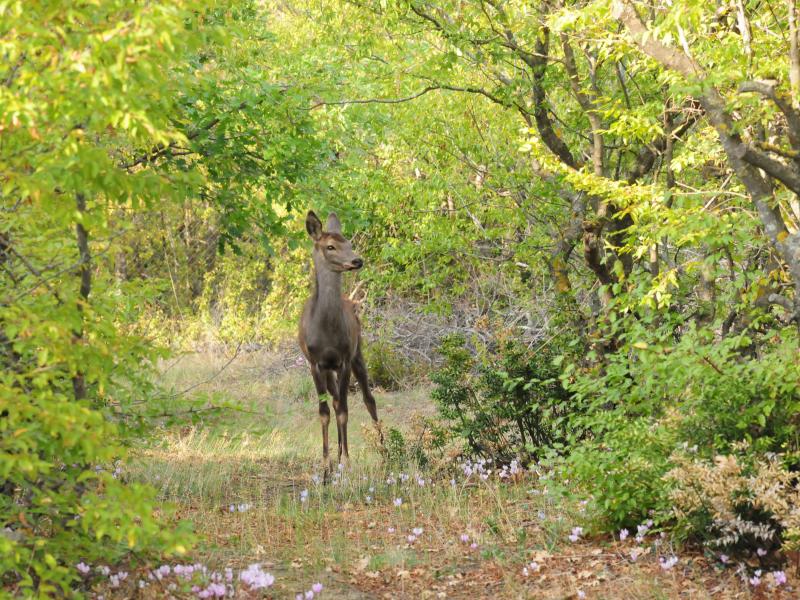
324	417
360	370
341	412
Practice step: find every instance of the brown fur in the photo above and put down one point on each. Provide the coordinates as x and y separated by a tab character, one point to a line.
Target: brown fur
330	331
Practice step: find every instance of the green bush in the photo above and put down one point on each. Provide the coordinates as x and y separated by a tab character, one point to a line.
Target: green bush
655	397
388	368
505	405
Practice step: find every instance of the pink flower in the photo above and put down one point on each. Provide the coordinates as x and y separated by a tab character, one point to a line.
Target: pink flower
473	546
668	563
398	501
464	538
623	534
316	588
391	530
778	578
412	539
576	534
83	568
761	552
309	594
417	531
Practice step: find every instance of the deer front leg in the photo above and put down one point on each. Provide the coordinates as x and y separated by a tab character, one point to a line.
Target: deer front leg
324	418
341	412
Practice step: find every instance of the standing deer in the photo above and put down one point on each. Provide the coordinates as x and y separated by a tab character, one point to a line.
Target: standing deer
330	332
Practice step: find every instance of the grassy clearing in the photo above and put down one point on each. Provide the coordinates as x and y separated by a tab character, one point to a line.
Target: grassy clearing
242	477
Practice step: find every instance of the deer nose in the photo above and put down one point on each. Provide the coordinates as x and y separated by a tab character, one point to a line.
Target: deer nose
357	263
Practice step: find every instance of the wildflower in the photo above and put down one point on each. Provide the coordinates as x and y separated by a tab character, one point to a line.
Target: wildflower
104	570
576	534
417	531
542	516
390	530
83	568
533	566
420	482
299	596
368	499
315	478
484	476
228	575
390	480
668	563
623	535
452	483
309	594
316	588
778	578
303	495
403	477
464	538
398	501
412	538
724	559
142	584
256	578
473	546
371	489
635	553
231	508
761	552
581	594
525	571
755	581
340	467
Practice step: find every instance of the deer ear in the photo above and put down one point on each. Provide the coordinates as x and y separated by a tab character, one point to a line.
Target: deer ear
313	226
333	225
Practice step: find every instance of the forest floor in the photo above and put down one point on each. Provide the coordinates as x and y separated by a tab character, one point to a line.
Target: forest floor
248	480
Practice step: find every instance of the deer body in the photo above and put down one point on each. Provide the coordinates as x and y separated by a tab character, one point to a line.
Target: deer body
330	331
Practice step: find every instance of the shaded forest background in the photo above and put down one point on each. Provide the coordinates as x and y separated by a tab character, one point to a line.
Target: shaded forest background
579	220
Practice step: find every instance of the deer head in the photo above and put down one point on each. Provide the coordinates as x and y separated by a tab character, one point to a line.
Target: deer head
331	249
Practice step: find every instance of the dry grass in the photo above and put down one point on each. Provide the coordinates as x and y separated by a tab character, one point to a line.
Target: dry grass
265	457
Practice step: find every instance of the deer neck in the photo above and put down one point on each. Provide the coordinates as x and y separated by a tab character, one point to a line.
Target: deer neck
328	292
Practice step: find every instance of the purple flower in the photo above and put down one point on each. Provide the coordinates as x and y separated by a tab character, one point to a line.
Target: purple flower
668	563
464	538
316	588
761	552
576	534
623	535
309	594
303	495
755	581
724	558
83	568
254	577
473	546
778	578
398	501
417	531
581	594
390	529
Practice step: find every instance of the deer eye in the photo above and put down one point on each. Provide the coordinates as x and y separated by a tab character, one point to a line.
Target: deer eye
331	247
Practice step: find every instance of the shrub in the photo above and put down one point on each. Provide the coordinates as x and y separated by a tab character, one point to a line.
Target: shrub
506	404
657	395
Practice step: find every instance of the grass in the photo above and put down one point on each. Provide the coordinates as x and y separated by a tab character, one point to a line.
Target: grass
265	455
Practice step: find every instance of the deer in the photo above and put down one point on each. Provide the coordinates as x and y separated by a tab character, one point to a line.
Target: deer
330	332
